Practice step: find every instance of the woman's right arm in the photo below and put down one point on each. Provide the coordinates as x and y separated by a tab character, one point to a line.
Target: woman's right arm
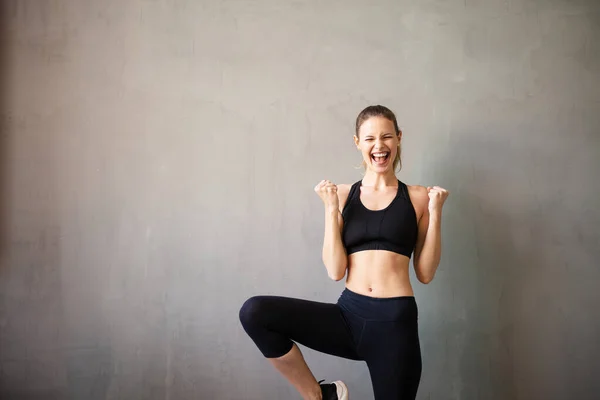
334	253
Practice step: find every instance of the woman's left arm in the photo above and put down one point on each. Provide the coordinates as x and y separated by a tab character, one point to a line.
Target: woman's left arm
428	249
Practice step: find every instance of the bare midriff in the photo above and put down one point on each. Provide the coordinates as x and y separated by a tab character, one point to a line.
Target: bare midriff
379	273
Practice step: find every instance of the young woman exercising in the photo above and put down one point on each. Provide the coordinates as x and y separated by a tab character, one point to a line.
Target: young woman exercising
372	228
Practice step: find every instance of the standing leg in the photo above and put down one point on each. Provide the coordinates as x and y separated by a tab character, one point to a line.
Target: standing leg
274	323
394	359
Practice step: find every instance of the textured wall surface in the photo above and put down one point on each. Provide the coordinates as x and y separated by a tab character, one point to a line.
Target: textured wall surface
157	160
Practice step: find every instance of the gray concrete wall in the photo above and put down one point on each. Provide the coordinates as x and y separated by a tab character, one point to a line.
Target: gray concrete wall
157	165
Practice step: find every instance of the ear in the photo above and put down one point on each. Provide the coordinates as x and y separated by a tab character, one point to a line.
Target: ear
399	134
356	140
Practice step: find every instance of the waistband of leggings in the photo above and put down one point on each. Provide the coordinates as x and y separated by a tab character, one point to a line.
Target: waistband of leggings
378	308
349	293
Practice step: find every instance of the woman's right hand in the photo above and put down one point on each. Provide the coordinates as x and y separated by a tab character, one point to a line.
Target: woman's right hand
327	191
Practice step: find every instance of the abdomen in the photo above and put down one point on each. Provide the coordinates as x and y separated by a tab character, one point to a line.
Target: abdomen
379	273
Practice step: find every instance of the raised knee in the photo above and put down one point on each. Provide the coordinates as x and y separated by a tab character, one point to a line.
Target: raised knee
250	311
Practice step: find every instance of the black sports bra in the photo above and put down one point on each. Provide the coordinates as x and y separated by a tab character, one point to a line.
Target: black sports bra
393	228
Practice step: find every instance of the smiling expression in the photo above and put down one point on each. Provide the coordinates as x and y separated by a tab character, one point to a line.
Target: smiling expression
378	142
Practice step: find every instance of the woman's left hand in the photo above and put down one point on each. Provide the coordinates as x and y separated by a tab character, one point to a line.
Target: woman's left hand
437	196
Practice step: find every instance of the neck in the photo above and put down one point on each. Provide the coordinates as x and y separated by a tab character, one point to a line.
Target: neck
379	180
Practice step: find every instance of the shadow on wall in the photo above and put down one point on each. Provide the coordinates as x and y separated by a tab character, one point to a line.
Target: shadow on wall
480	341
4	139
31	352
9	363
510	334
484	269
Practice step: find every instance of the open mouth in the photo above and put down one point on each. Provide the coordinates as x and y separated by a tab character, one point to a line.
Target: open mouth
380	158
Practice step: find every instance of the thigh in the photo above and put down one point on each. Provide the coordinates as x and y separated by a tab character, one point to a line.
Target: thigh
316	325
393	355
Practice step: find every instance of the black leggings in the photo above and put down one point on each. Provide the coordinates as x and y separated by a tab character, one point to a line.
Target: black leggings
383	332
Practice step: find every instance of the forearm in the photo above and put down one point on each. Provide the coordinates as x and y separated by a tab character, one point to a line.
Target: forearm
431	253
334	253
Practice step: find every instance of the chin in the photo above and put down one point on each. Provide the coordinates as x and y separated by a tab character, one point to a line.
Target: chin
381	168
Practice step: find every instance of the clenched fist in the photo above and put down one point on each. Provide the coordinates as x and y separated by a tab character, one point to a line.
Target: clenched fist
327	191
437	196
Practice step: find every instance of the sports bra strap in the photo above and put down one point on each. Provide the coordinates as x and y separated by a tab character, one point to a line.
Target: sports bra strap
352	194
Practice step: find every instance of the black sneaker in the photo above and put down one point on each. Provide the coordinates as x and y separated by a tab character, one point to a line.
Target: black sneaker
334	391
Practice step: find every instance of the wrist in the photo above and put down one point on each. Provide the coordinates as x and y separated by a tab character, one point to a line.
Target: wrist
332	211
435	214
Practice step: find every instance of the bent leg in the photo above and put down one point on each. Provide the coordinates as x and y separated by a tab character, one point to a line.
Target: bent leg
274	323
293	367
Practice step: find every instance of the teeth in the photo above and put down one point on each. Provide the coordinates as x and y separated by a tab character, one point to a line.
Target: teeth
379	154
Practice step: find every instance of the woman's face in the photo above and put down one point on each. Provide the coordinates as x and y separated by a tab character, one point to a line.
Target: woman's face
378	142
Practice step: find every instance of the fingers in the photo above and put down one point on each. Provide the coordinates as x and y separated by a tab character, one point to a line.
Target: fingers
437	189
437	193
326	186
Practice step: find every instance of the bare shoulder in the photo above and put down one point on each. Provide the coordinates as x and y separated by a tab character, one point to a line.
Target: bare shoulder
418	190
343	189
419	197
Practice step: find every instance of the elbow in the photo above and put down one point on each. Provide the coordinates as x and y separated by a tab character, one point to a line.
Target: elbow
336	276
336	270
424	275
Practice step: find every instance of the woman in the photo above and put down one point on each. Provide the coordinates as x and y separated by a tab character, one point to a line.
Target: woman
372	228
